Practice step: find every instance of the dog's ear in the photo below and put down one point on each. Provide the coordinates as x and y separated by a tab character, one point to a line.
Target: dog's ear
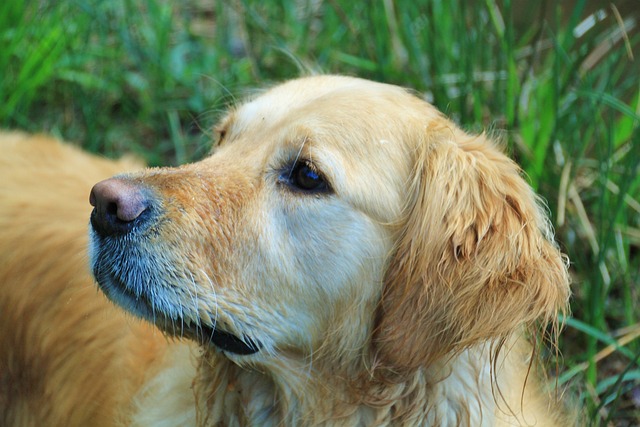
475	259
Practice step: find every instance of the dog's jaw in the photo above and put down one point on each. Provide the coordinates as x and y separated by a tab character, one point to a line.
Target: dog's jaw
148	303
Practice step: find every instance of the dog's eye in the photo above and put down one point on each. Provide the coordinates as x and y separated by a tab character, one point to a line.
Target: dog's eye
304	176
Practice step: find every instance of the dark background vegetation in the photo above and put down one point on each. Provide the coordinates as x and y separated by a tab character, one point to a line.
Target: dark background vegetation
559	82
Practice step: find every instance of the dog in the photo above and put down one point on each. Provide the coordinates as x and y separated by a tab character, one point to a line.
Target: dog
346	256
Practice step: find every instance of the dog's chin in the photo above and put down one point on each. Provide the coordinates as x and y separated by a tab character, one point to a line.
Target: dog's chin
144	306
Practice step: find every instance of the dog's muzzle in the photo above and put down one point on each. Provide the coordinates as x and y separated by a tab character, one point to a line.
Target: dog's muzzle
122	211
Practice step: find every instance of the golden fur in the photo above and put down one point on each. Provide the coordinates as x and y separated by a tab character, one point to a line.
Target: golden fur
401	292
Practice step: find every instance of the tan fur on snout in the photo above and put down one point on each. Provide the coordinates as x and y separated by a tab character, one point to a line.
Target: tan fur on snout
403	290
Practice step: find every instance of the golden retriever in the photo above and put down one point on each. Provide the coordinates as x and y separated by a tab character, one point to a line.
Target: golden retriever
346	256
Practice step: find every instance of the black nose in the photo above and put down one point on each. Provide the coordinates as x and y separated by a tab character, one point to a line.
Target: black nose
119	205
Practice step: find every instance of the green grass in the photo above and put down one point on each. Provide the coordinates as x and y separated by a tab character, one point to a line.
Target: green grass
151	76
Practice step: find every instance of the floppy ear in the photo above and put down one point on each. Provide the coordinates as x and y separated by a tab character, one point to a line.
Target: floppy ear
475	260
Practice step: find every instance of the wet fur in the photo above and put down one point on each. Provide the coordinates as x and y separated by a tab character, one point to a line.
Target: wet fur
406	295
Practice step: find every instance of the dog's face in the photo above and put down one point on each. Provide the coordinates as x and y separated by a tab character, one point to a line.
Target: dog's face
278	235
307	229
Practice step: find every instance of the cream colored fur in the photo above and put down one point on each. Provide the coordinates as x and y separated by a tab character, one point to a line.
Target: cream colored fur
405	293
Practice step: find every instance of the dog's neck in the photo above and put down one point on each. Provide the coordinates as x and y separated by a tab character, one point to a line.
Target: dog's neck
473	388
291	392
282	391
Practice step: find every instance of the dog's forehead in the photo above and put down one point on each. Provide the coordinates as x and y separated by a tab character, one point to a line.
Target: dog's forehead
344	113
316	94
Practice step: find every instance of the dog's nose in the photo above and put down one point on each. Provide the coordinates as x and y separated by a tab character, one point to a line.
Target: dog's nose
117	205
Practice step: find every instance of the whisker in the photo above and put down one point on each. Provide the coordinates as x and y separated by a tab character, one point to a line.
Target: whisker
304	141
214	294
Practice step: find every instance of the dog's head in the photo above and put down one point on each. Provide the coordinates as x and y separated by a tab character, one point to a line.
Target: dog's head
335	215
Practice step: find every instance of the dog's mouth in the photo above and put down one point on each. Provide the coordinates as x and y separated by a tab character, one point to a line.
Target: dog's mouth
229	342
174	324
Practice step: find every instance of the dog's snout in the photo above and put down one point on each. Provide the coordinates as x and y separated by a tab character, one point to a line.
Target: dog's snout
118	205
